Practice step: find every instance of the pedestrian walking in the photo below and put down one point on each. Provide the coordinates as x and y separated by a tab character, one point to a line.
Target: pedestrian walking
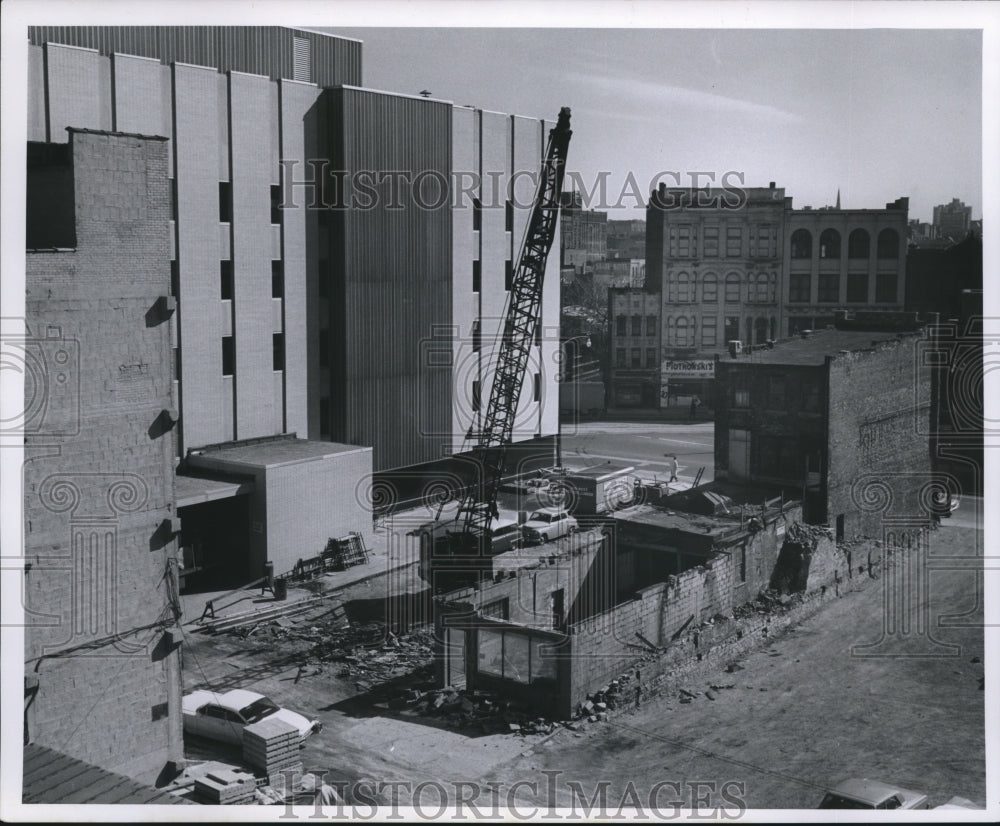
695	402
672	466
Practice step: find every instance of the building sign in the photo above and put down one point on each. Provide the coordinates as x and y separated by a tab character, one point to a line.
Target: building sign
693	369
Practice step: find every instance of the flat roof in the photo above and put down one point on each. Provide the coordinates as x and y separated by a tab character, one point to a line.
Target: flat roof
269	453
714	526
194	488
813	349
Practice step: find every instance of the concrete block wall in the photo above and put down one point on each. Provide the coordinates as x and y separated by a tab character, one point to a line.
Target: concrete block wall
309	502
879	453
605	644
98	475
582	569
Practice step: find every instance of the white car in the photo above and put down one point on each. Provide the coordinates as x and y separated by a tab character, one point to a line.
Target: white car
224	716
546	524
861	793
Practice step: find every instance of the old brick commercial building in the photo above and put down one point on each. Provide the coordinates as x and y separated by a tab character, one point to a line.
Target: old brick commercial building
839	417
102	673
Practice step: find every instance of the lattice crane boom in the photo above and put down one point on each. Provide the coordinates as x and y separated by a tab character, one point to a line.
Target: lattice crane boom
479	506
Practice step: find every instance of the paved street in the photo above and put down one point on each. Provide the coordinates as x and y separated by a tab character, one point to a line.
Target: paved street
644	444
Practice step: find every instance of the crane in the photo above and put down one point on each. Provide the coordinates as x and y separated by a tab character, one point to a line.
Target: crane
478	506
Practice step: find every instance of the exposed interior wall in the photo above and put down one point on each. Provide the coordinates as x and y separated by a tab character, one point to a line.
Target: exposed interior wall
879	425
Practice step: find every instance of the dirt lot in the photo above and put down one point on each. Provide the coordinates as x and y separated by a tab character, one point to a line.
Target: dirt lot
799	716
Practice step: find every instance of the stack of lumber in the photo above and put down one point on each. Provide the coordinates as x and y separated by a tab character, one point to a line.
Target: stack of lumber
272	747
226	787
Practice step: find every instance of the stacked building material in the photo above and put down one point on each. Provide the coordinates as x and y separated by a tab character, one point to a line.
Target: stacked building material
226	787
272	747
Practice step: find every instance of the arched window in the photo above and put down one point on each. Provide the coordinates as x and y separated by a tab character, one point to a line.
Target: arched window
671	331
683	288
829	244
761	331
683	331
802	244
888	244
733	288
858	244
709	288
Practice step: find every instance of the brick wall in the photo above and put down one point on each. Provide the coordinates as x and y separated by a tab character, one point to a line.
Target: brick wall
98	476
879	455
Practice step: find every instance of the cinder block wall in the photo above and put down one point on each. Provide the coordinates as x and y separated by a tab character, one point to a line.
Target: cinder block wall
310	502
608	643
879	454
98	480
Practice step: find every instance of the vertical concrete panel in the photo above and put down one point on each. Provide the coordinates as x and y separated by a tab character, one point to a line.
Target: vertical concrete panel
203	415
464	250
526	162
495	248
223	123
105	93
36	94
167	110
74	90
138	96
549	413
298	104
249	114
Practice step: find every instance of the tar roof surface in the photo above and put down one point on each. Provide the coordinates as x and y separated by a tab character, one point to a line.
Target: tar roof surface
814	349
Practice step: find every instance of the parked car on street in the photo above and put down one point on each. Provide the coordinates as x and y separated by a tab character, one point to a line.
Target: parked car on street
505	535
547	524
224	716
861	793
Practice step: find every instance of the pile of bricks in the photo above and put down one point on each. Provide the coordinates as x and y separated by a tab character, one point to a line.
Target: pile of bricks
230	787
272	746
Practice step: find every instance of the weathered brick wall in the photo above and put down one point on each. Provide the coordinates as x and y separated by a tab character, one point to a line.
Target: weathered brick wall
879	456
98	477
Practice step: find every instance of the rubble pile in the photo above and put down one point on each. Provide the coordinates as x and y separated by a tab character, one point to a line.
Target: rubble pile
800	533
770	601
478	711
367	652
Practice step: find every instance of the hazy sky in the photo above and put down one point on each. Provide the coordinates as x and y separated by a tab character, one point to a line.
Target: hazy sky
877	113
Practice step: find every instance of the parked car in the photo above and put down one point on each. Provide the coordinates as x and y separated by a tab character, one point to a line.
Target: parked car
861	793
505	535
546	524
224	716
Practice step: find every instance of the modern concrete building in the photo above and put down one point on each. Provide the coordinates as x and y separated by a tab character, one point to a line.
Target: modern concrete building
842	259
325	287
840	418
102	672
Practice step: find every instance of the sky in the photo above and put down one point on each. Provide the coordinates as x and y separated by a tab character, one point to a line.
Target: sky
874	113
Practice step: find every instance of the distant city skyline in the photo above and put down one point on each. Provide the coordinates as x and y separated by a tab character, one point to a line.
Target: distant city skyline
875	114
